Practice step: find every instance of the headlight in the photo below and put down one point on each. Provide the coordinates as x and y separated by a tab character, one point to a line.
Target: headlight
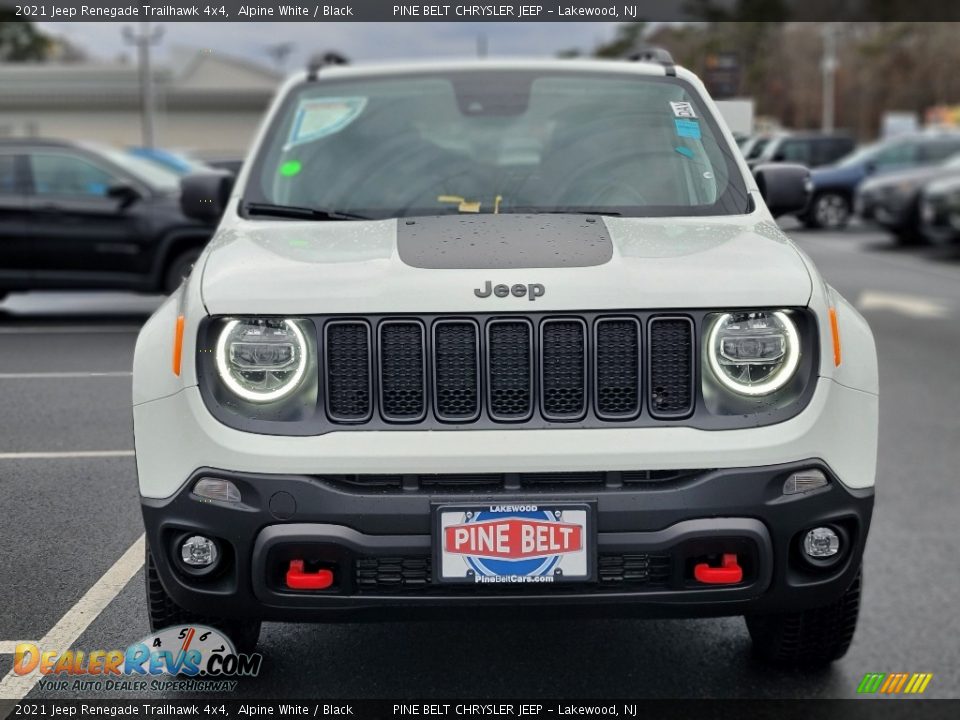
261	359
754	353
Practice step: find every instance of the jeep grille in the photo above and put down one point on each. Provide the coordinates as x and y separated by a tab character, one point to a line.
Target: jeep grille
507	369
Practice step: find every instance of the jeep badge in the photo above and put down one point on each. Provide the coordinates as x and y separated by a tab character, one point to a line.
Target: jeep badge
532	291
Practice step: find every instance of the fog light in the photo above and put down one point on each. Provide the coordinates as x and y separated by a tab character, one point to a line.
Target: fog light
217	489
199	551
821	542
804	481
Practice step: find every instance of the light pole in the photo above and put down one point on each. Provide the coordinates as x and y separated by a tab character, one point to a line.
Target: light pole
828	66
143	40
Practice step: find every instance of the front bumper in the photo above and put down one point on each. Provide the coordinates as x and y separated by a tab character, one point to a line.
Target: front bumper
176	435
894	212
377	541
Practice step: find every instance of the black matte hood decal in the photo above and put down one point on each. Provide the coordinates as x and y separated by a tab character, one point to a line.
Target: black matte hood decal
487	242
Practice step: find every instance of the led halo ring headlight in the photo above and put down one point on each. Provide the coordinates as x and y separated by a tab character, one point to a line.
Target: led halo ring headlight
261	359
754	353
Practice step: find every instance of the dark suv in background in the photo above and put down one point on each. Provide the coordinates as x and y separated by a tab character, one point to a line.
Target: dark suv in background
804	148
893	200
84	216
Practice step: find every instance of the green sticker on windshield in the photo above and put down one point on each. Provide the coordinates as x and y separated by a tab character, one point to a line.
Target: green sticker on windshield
291	168
320	117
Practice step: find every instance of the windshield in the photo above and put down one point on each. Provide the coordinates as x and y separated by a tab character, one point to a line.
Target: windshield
496	142
157	177
758	147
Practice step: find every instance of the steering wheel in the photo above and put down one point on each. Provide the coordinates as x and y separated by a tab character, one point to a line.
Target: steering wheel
608	181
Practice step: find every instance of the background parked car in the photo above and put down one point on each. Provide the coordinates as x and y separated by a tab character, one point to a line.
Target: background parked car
176	162
76	215
812	149
940	210
892	200
834	186
754	145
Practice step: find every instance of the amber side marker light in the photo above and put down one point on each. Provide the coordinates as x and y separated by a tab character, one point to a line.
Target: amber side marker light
178	346
835	331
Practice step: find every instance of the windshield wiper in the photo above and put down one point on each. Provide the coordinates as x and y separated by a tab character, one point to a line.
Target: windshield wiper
534	211
291	211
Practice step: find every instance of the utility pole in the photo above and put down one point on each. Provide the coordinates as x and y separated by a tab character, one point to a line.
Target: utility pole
828	66
482	45
144	40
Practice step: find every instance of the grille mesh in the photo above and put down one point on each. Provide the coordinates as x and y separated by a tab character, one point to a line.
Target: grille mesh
508	369
671	366
615	573
393	573
509	365
455	363
618	367
402	371
563	349
348	371
634	569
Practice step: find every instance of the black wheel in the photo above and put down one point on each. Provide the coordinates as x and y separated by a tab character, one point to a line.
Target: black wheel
828	211
164	612
809	638
179	269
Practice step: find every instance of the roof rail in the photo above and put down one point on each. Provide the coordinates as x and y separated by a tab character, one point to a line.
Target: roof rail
651	53
322	59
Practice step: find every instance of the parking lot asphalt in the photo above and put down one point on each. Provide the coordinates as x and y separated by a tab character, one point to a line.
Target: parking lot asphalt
70	511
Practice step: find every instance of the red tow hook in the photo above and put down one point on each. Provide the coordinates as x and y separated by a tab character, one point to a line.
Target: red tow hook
297	579
729	573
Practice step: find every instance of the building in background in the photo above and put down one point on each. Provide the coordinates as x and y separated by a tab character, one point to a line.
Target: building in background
207	103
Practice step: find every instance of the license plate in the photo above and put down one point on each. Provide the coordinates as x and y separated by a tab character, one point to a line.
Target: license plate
514	543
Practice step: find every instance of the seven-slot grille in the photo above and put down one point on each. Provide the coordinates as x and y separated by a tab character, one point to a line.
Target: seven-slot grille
508	369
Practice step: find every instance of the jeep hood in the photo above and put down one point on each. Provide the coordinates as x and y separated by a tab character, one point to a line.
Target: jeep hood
427	265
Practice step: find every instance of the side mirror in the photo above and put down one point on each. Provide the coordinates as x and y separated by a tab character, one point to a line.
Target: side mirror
125	193
204	195
785	187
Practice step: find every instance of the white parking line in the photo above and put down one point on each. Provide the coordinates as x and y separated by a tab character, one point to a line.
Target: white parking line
78	618
61	375
911	305
7	647
59	455
66	329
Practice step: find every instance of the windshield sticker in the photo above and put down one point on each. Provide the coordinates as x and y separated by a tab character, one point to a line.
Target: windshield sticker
683	109
685	151
291	168
687	128
318	118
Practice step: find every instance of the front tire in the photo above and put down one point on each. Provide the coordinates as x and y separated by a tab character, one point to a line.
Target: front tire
164	612
828	211
811	638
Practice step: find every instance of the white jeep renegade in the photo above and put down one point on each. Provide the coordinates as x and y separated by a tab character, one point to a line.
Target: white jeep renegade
505	337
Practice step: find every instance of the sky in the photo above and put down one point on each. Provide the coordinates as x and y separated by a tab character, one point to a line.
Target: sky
358	41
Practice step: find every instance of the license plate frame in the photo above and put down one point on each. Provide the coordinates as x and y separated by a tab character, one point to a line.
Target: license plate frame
542	566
